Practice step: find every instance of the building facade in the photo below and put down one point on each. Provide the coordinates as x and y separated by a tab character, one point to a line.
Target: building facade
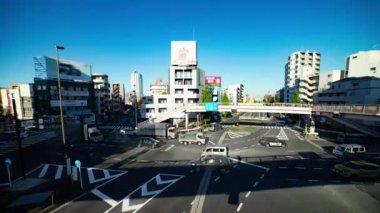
354	90
76	90
235	93
301	74
26	100
363	63
102	96
326	78
186	81
137	85
158	88
118	98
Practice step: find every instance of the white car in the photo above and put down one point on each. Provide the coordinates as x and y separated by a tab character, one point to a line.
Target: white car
349	149
127	131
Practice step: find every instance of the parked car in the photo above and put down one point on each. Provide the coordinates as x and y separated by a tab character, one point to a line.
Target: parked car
272	141
149	142
348	149
357	169
127	131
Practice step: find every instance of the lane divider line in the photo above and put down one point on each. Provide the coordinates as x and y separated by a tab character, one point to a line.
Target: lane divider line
248	193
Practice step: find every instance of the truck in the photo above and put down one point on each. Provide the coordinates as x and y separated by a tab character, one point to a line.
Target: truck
156	130
92	133
192	138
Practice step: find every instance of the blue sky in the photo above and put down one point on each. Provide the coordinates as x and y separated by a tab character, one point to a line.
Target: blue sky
243	41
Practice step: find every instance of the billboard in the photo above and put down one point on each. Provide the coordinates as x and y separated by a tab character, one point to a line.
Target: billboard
213	81
46	68
183	53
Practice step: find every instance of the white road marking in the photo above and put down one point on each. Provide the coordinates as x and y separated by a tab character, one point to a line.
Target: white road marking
74	172
251	164
292	179
216	179
104	197
211	142
254	185
201	193
248	193
58	174
170	147
43	171
262	176
239	207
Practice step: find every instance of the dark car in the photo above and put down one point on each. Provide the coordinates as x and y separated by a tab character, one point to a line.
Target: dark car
221	163
272	141
149	142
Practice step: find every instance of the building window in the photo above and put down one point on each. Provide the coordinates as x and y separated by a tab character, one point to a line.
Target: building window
39	87
179	100
43	87
162	101
353	57
188	82
373	69
179	91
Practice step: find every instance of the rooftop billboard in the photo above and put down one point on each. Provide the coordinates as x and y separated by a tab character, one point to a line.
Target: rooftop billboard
213	80
46	68
183	53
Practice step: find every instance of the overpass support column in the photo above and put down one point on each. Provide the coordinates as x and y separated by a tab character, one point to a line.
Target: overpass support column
186	120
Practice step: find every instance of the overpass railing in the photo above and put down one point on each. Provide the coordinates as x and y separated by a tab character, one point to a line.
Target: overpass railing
354	109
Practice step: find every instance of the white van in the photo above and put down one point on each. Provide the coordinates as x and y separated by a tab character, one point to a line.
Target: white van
342	149
215	150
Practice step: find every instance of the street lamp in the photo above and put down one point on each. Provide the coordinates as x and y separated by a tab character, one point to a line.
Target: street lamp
61	112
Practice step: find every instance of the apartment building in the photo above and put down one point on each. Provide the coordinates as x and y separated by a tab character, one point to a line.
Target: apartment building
302	75
363	63
235	93
102	96
326	78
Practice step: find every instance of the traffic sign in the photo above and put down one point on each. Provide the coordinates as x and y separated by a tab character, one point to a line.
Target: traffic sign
211	106
77	163
8	161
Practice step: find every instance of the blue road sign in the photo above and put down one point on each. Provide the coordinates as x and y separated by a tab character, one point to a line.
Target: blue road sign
77	163
211	106
8	161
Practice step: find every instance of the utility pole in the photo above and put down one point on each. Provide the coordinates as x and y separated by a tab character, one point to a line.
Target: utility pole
17	125
135	103
68	166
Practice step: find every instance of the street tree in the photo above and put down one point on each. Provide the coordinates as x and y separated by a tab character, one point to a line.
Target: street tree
206	95
296	98
225	99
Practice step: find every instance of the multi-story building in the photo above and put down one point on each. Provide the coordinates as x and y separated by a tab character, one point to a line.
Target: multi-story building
76	90
326	78
137	85
158	88
118	98
26	100
363	63
354	90
102	96
301	74
235	93
280	95
186	81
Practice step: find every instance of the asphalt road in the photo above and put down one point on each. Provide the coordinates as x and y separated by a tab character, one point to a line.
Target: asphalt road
296	178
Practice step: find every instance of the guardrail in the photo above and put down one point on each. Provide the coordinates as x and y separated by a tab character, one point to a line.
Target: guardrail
354	109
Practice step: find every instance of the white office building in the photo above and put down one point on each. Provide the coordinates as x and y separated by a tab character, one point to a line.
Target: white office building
186	82
137	85
354	90
158	88
327	77
301	74
363	63
235	93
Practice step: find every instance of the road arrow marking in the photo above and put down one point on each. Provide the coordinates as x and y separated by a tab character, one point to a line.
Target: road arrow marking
145	193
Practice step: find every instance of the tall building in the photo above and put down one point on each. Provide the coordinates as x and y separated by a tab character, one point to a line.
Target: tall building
186	81
235	93
76	89
102	96
137	84
118	97
363	63
301	74
326	78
